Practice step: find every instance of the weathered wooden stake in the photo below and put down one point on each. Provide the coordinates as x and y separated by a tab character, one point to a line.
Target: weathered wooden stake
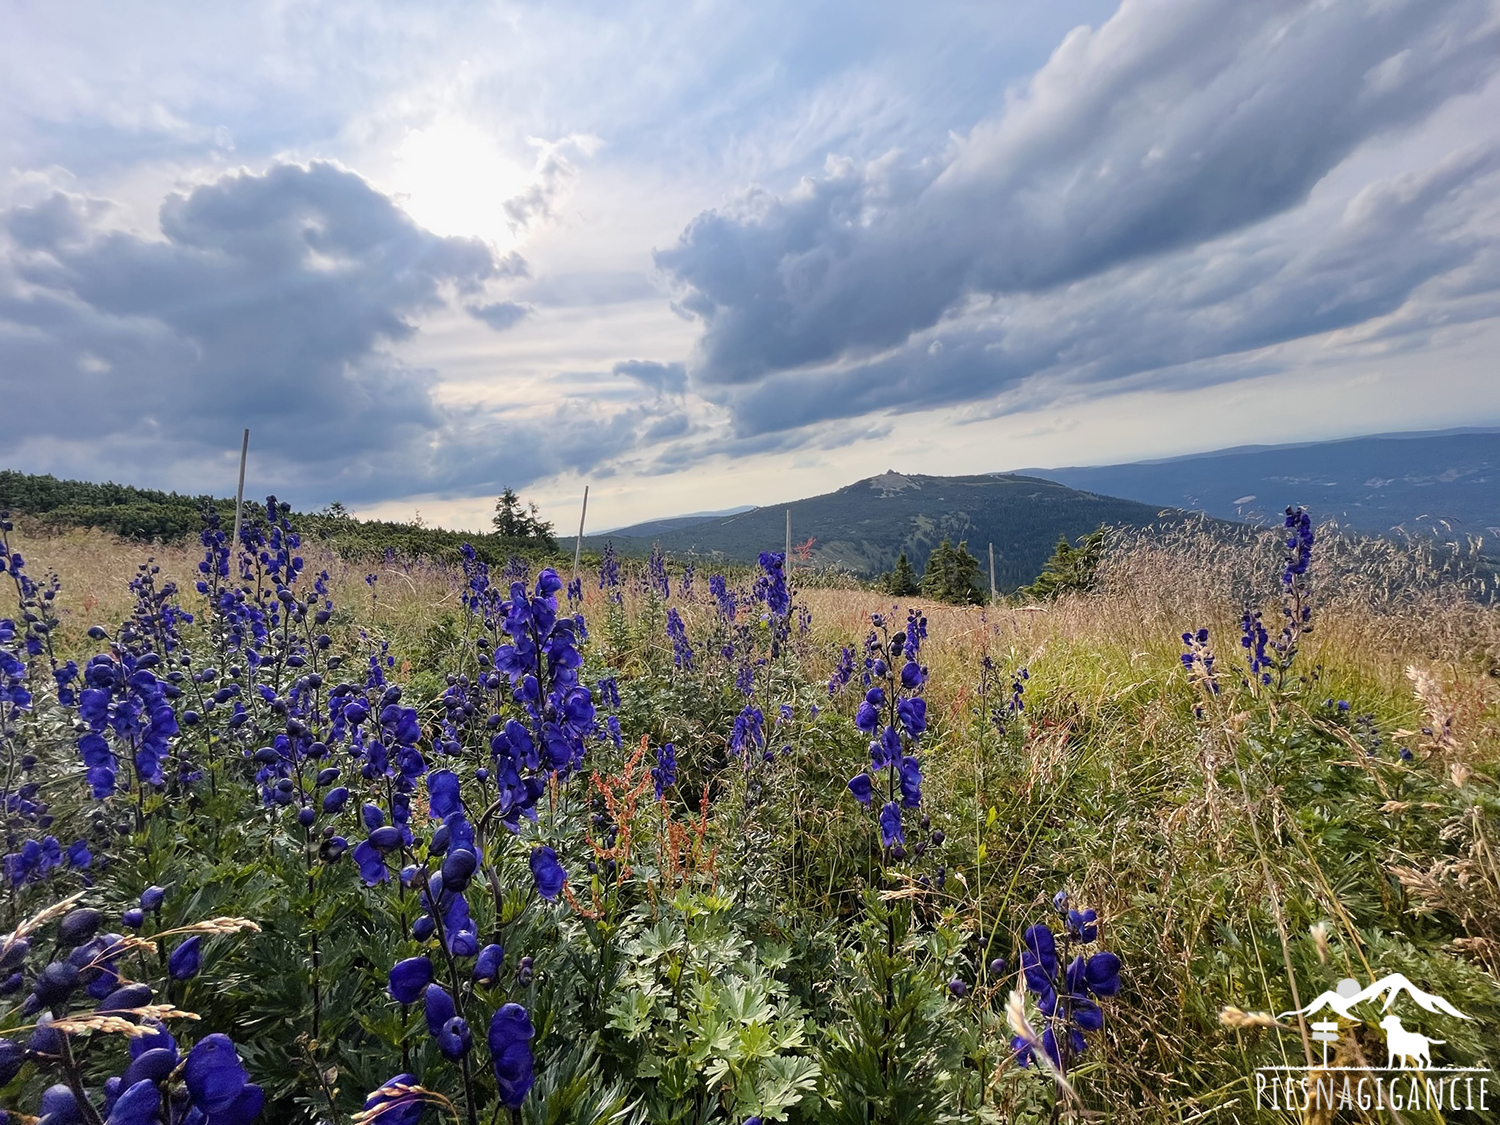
578	543
239	496
789	540
992	573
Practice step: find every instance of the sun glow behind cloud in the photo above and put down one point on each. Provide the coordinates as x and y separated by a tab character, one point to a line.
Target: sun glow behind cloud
453	179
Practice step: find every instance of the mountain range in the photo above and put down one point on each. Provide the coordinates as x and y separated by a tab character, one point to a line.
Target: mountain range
864	526
1446	480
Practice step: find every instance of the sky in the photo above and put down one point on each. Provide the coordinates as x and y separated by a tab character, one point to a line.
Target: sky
700	254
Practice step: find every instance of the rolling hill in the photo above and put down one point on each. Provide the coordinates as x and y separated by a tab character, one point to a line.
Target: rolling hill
1372	484
864	526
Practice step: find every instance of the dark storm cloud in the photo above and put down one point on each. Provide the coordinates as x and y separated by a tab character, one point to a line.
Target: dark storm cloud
267	301
1174	125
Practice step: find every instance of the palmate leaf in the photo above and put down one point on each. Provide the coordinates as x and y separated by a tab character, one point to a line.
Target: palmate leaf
631	1012
781	1082
746	1001
656	942
712	1036
755	1042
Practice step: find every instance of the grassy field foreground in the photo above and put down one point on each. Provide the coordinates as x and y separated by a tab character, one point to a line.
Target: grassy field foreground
643	882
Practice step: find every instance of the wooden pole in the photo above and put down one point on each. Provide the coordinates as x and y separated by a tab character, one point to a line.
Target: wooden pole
239	496
992	573
578	543
789	539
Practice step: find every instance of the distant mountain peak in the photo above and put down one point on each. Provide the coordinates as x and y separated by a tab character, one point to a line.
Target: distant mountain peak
892	481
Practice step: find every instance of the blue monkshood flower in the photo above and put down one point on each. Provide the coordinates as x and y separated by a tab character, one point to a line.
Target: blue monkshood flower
1066	997
437	1007
890	825
454	1039
913	715
1081	925
886	750
748	734
682	651
372	815
867	718
911	783
510	1051
609	567
217	1083
547	872
335	799
78	925
959	987
371	862
442	793
458	869
156	1038
861	786
1102	974
12	1059
665	772
843	672
1299	544
656	573
186	959
126	996
770	587
487	964
386	838
1254	640
59	1106
394	1103
1039	958
140	1104
723	597
135	918
410	978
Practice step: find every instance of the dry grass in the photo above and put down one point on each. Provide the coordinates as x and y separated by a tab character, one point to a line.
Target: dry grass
1382	607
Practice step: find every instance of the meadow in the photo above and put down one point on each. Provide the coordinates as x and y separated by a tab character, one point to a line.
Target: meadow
295	837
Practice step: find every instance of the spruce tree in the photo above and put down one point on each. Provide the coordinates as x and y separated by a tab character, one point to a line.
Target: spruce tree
513	521
1070	569
902	582
952	575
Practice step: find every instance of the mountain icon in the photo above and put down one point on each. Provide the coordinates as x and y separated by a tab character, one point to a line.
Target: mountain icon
1349	996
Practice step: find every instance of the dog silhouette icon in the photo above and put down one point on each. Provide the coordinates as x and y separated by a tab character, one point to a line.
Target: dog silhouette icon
1412	1048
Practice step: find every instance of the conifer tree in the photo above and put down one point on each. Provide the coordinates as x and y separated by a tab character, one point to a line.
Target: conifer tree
902	582
952	575
1070	569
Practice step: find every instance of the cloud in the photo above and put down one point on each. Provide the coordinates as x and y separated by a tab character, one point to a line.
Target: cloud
272	301
552	179
500	315
1165	323
1106	222
663	378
